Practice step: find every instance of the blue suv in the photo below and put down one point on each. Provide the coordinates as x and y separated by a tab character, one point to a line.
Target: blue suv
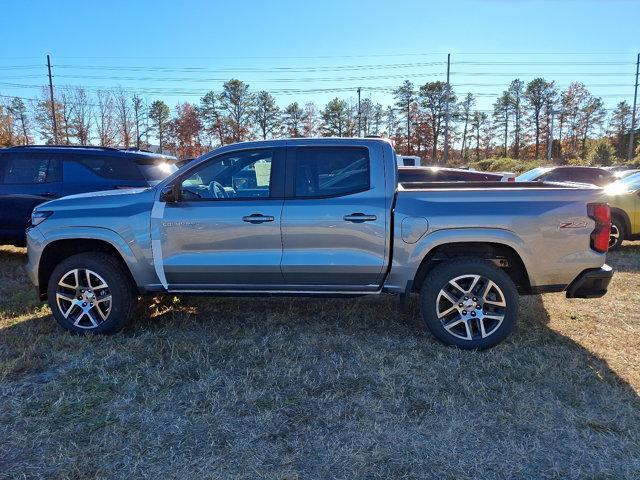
31	175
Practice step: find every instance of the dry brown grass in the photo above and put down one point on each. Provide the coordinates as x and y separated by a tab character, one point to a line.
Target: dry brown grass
299	388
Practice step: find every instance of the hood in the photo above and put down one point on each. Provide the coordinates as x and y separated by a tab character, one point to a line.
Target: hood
105	193
106	199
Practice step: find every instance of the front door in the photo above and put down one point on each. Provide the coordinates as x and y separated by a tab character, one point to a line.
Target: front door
334	229
224	231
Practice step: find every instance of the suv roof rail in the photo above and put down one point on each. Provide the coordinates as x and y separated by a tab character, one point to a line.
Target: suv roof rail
97	147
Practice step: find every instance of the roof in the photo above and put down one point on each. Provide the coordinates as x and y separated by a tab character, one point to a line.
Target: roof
68	149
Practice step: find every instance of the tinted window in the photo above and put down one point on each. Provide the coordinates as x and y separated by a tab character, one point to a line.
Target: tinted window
580	175
331	171
30	169
241	175
113	168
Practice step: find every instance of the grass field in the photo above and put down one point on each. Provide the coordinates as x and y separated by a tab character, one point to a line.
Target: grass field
299	388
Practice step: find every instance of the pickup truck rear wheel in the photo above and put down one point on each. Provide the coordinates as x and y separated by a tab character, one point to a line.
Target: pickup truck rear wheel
469	303
91	292
617	233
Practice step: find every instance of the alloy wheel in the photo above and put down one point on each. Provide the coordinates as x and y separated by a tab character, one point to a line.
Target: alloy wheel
471	307
84	298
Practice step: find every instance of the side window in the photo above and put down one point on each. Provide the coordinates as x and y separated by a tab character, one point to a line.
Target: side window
331	171
31	169
557	175
239	175
112	168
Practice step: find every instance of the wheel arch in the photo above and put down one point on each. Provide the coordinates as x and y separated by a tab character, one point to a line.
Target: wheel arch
60	249
624	216
504	256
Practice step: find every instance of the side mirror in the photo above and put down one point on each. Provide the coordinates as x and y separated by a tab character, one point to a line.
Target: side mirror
170	193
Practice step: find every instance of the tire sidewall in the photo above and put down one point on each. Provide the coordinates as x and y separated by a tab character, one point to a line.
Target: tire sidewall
448	270
122	296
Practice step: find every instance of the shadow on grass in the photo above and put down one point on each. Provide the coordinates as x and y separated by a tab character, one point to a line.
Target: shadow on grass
626	259
311	388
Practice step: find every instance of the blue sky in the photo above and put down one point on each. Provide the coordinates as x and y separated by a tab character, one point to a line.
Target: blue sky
178	50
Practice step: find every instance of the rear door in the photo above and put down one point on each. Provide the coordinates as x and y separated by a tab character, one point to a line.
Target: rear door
334	218
27	181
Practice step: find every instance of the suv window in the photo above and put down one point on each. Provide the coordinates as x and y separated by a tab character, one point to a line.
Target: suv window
241	175
31	169
580	175
112	168
331	171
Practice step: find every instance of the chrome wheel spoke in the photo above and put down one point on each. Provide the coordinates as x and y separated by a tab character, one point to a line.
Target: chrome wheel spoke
92	318
64	284
455	285
493	287
79	302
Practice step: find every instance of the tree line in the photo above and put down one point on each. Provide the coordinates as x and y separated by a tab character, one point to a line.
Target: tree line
518	126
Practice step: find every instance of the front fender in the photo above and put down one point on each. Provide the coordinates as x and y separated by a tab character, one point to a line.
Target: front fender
135	263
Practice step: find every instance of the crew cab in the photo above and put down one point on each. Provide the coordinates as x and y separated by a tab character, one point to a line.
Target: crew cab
320	217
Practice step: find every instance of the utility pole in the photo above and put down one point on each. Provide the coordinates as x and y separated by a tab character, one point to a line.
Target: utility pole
53	105
446	114
359	113
633	112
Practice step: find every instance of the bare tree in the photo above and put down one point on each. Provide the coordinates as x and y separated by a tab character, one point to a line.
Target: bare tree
123	115
105	118
309	120
81	113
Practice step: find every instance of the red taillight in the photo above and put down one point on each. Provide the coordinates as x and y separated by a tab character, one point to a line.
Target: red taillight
601	213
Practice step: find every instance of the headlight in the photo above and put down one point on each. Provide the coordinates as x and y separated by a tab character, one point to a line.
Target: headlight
37	217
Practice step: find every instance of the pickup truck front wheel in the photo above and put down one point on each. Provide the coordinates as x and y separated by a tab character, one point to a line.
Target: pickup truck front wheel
469	303
91	292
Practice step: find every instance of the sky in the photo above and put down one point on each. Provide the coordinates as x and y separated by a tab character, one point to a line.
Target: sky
314	51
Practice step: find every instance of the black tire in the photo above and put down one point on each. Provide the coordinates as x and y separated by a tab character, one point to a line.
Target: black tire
123	297
616	242
472	327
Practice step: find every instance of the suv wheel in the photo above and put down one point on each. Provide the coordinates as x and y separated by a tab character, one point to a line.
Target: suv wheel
617	234
469	303
91	292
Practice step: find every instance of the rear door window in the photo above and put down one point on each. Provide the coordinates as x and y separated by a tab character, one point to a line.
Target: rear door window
30	169
111	168
331	171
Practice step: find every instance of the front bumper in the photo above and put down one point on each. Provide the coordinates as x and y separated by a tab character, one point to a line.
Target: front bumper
591	283
35	246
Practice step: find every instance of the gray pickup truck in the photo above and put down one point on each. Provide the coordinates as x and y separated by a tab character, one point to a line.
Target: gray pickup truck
320	217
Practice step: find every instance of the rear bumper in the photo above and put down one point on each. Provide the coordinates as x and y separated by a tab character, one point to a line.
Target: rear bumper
591	283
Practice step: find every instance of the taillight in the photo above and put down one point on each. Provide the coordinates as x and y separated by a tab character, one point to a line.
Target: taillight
601	213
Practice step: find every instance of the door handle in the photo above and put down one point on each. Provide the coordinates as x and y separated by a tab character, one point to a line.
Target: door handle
258	218
359	218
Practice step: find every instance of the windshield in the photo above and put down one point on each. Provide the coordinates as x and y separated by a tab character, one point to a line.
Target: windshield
627	184
155	172
532	175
